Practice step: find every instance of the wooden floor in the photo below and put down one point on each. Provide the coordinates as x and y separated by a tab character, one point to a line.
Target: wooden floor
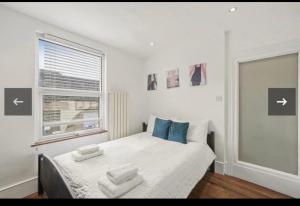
214	185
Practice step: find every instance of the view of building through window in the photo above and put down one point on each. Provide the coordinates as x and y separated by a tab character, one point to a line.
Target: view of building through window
62	114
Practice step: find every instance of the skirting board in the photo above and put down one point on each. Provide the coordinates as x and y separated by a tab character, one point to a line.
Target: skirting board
288	186
20	189
219	167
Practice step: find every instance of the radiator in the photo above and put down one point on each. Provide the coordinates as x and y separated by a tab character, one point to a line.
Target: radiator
117	114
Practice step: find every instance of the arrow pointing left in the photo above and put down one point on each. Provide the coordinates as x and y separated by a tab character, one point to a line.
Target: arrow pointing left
16	101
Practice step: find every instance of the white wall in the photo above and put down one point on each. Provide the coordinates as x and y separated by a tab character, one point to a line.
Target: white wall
186	102
263	33
17	69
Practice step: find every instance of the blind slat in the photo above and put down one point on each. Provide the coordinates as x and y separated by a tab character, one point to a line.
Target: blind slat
57	56
66	49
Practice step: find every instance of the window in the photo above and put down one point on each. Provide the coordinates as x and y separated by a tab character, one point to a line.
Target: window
70	84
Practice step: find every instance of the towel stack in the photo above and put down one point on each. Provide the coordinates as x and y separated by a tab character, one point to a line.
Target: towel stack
120	180
86	152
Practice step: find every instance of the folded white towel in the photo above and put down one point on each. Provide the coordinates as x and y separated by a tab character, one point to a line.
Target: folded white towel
122	173
88	149
112	190
80	157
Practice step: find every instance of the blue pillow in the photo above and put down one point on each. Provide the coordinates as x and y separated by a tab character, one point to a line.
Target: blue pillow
178	132
161	128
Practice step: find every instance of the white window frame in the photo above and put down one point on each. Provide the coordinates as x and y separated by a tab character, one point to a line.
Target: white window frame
41	91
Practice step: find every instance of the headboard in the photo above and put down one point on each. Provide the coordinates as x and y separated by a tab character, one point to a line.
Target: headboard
211	144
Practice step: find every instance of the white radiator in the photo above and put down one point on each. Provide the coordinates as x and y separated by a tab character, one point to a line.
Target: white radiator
117	114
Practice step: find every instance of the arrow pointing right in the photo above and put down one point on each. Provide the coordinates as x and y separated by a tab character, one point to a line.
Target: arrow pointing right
283	101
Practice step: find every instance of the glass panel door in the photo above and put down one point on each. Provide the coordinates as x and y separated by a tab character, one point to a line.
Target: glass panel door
268	131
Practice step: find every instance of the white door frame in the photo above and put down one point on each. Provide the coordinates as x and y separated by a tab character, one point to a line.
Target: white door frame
277	180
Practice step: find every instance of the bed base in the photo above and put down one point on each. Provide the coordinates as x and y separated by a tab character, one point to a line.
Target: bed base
52	183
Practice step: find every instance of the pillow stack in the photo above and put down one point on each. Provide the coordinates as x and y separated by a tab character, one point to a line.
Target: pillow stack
178	131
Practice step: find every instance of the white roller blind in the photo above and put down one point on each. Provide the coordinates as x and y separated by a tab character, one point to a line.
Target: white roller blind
68	68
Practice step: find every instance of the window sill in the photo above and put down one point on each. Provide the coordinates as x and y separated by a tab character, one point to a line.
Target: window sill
43	142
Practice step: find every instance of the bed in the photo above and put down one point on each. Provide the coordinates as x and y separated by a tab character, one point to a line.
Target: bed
169	169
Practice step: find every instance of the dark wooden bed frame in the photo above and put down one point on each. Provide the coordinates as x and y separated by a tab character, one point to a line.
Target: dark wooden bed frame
53	183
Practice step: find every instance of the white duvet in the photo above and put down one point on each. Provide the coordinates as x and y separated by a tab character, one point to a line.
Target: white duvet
169	169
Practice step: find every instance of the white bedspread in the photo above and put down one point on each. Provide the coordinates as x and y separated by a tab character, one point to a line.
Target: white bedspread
169	169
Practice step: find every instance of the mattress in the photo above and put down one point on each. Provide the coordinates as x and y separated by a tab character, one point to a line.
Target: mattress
169	169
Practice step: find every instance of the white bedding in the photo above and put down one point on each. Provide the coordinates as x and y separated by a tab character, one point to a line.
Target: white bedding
169	169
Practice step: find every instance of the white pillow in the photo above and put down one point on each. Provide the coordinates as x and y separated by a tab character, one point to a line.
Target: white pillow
150	126
151	122
197	132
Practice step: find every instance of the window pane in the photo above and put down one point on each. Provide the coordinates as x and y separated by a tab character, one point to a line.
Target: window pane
63	114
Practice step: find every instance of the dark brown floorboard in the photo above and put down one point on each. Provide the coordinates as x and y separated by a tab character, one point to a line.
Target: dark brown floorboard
214	185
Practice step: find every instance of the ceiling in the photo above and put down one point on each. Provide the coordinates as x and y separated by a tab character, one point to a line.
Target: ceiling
132	26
